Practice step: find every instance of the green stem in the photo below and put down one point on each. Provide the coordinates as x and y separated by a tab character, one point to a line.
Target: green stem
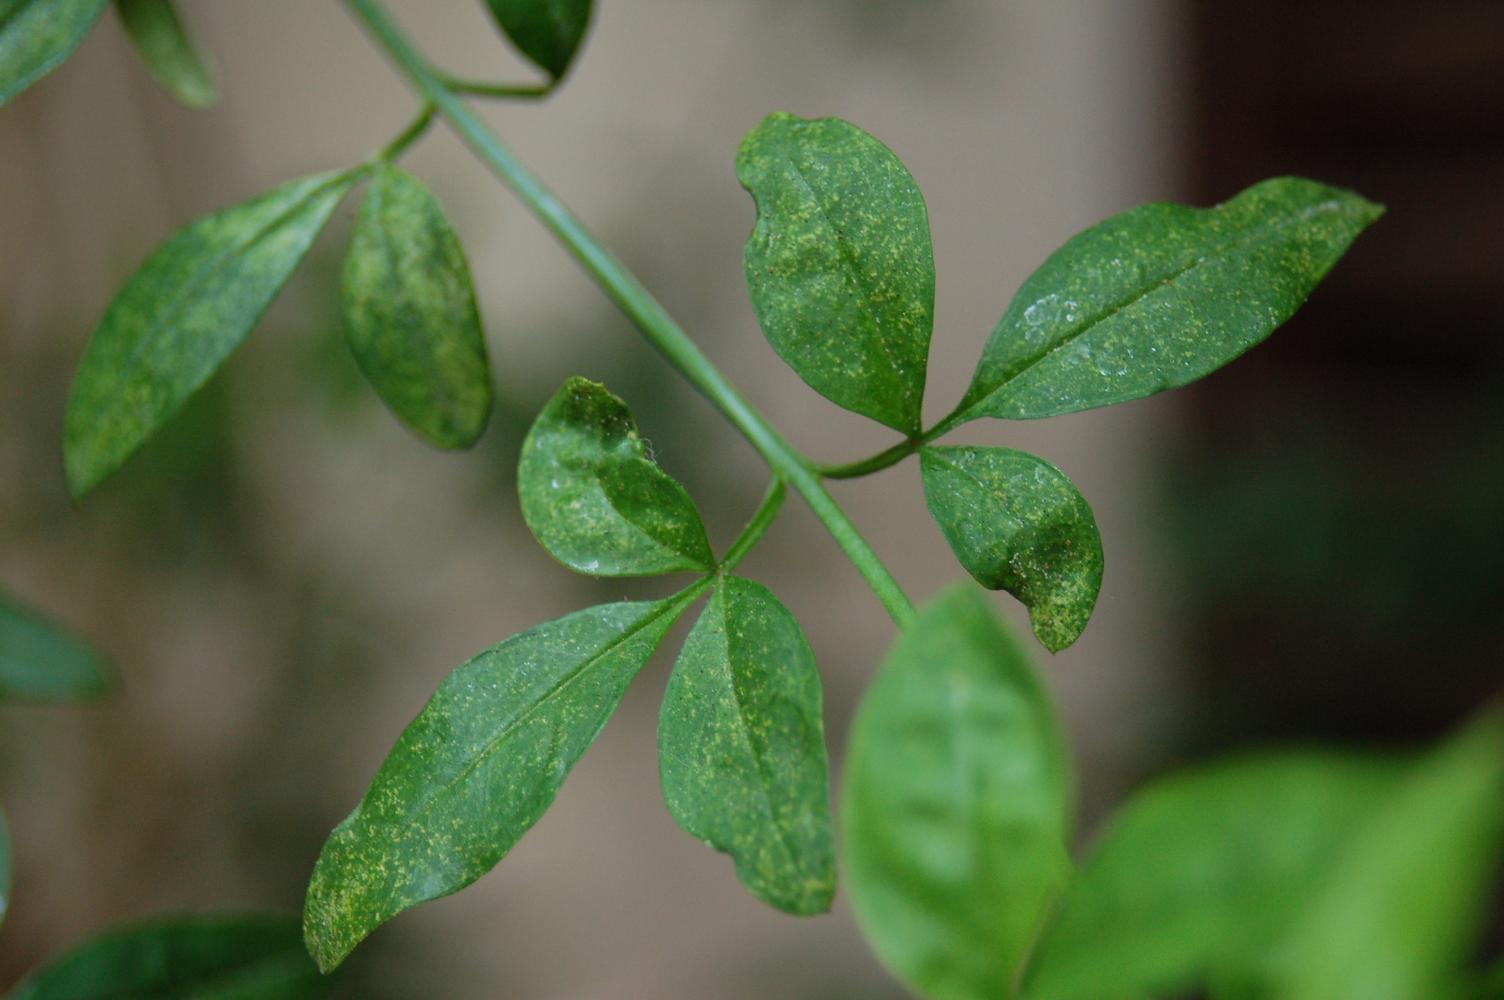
407	136
893	455
645	312
766	511
506	91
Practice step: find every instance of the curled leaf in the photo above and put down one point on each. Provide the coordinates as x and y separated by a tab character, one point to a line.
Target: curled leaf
595	499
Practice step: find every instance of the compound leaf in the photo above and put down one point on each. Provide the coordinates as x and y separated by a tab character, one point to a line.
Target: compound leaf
37	35
1018	524
595	499
41	663
157	32
1401	912
741	748
839	264
1159	296
1201	873
410	314
548	32
956	805
197	958
477	768
181	315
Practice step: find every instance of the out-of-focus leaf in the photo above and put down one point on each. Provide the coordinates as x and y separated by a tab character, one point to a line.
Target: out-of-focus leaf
1200	874
181	315
596	500
410	313
741	748
477	768
157	31
37	35
1018	524
548	32
41	663
186	958
1400	914
839	264
956	807
1159	296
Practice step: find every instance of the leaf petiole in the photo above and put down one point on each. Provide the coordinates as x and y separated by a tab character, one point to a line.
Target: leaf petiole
409	135
766	512
501	91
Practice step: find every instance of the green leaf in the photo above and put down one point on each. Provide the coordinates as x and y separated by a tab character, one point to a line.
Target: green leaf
1159	296
741	748
596	500
41	663
956	807
548	32
157	31
1201	873
37	35
1018	524
186	958
181	315
410	313
839	264
1401	913
477	768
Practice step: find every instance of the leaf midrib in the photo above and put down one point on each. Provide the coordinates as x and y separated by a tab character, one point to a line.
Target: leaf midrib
1218	252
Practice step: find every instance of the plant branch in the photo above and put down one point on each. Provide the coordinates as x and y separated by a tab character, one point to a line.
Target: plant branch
504	91
766	511
645	312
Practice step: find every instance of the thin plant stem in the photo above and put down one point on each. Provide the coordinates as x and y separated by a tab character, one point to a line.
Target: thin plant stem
503	91
638	304
763	517
407	136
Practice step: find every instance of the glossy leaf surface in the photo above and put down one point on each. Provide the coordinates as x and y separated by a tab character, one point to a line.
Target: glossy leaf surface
157	32
596	500
742	748
956	806
477	768
180	316
1018	524
1201	874
1159	296
203	958
839	264
548	32
40	662
410	314
37	35
1402	912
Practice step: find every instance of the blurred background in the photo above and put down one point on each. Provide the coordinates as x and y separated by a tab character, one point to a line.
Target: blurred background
1305	546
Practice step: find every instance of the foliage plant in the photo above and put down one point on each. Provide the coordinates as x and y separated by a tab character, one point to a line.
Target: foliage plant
1298	874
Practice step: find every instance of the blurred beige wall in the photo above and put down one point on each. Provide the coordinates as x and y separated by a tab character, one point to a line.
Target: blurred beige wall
244	717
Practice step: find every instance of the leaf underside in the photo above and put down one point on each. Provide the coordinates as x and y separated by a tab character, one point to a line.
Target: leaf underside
157	33
37	35
180	316
594	498
410	313
742	748
1159	296
955	810
839	265
1016	523
204	958
477	768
